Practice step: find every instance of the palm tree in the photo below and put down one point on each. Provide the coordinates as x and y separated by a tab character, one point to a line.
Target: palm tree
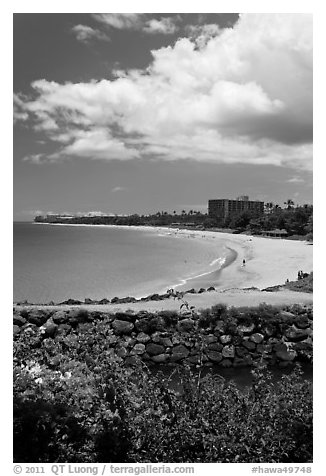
289	204
269	207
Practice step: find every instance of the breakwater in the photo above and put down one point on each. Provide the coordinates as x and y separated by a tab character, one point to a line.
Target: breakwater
222	336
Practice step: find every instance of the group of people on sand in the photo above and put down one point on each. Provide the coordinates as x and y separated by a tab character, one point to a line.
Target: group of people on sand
302	275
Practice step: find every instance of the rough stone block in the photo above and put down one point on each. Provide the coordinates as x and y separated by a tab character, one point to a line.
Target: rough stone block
248	329
50	328
138	349
179	352
294	334
225	339
214	356
257	338
193	359
286	355
160	358
19	320
122	327
125	316
210	338
228	351
249	345
185	325
219	327
59	317
121	352
143	338
215	346
166	341
37	317
154	349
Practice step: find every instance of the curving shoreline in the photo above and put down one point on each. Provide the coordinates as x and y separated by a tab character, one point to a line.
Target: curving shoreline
211	278
269	262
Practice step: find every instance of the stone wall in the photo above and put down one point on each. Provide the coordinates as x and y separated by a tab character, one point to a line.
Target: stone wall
171	338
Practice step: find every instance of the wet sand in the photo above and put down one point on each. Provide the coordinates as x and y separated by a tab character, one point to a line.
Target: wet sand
269	262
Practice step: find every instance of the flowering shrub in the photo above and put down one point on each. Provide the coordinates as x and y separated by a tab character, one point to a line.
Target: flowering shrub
72	416
75	401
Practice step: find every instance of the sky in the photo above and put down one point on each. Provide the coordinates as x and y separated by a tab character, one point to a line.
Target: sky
139	113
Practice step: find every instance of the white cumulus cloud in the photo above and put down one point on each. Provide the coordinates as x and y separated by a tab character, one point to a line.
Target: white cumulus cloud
85	33
121	21
202	33
165	26
243	95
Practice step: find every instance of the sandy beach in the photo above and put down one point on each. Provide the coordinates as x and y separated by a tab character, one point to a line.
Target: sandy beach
268	262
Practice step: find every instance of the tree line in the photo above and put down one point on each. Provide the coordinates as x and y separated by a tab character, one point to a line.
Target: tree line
295	219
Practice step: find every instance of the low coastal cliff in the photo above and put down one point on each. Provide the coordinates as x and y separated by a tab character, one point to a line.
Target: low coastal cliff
219	336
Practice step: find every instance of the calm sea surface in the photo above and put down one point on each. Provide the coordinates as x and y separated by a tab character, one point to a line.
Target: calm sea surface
54	263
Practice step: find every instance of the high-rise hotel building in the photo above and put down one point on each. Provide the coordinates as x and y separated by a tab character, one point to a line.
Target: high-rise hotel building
223	207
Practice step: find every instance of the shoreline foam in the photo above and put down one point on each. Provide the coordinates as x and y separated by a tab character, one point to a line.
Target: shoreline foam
204	269
268	262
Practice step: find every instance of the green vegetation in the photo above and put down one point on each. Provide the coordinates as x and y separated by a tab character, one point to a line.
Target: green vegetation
296	220
304	285
76	401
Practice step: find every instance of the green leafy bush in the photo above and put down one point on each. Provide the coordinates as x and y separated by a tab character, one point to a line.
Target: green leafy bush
90	408
76	401
170	317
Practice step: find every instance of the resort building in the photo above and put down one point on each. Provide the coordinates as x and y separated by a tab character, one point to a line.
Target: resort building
223	207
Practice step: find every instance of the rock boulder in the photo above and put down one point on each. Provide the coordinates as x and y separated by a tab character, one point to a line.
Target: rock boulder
294	334
214	356
122	327
138	349
154	349
18	320
225	339
185	325
179	352
286	355
50	328
228	351
246	329
257	338
160	358
143	338
59	317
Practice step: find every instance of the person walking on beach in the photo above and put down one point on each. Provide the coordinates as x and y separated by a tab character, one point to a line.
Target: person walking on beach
243	262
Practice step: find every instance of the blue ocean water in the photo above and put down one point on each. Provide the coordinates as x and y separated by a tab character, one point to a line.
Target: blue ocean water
54	263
